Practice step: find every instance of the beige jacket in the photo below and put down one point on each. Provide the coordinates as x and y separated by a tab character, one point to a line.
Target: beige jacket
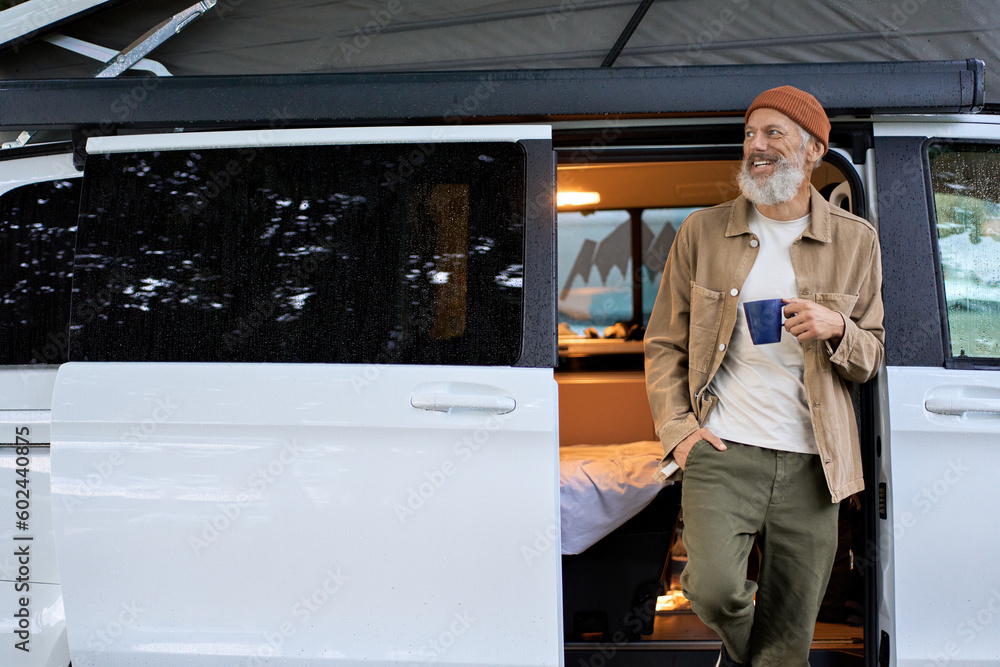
837	264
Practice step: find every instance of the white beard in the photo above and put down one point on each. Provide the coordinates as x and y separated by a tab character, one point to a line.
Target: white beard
774	189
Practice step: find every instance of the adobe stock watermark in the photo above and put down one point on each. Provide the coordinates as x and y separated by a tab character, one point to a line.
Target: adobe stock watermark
463	450
486	86
101	641
362	35
904	521
257	482
595	148
407	164
123	107
136	433
130	101
367	377
890	194
224	8
300	613
220	180
38	18
969	629
30	624
544	540
900	15
714	28
435	648
299	277
561	14
637	619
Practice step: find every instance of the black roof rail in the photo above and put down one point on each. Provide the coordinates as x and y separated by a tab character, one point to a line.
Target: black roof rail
954	86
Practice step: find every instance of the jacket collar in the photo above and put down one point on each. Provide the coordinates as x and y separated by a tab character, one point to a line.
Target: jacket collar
819	225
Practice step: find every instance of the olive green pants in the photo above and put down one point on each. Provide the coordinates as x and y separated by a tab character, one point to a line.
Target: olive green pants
730	497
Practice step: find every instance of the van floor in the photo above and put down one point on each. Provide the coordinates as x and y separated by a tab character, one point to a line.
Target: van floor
686	626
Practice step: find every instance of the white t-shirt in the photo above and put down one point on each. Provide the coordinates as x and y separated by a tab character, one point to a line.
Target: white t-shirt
762	399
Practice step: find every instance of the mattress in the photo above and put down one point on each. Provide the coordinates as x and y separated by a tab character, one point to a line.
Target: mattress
603	486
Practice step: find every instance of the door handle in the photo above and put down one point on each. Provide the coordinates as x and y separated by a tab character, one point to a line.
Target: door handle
961	405
445	402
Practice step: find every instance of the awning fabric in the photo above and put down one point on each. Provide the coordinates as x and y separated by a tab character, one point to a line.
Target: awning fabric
283	36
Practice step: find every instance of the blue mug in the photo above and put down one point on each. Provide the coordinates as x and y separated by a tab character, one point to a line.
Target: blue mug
764	320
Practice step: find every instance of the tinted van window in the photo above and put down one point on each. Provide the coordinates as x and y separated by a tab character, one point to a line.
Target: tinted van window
37	236
967	207
303	254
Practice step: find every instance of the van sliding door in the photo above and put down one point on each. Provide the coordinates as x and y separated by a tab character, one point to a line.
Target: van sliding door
939	219
309	414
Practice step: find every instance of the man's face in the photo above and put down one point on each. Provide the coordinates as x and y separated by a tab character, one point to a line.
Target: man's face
770	134
774	158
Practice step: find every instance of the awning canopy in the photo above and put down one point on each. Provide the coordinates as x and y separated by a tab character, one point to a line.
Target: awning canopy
300	36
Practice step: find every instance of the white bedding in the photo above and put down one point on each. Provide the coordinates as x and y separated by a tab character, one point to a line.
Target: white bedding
603	486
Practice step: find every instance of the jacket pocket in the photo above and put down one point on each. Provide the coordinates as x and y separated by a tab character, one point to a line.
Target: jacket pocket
706	318
843	304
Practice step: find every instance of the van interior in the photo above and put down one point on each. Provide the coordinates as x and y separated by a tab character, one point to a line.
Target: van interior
616	221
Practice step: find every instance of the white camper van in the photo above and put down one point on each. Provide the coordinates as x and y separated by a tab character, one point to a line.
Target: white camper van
326	380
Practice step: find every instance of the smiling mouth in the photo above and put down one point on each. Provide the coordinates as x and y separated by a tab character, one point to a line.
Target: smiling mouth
762	160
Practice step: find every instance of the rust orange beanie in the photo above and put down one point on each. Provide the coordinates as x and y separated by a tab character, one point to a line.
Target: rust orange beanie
798	105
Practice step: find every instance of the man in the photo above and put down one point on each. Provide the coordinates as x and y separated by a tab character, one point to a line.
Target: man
765	434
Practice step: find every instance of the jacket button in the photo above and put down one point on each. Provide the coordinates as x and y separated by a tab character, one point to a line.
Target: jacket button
806	292
722	347
753	243
734	292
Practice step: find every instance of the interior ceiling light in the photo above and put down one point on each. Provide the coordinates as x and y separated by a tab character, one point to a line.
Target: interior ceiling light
578	198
